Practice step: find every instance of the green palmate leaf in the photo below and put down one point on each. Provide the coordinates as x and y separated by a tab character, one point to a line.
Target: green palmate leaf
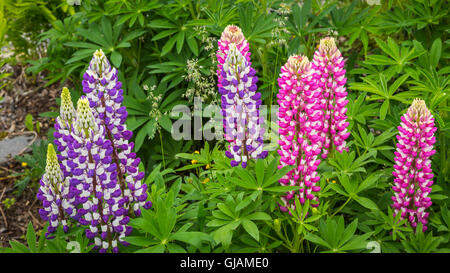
174	248
154	249
165	123
224	235
139	241
259	171
168	46
192	43
164	34
384	109
225	209
31	237
116	58
317	240
251	228
338	189
435	52
18	247
259	216
180	41
217	223
367	203
192	238
358	242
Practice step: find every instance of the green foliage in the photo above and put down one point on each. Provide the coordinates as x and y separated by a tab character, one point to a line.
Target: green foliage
420	243
35	166
165	54
335	237
26	20
9	202
72	242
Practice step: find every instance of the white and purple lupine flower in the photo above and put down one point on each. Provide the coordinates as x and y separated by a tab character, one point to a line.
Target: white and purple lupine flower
105	96
299	121
102	184
328	64
63	129
94	175
52	191
240	108
413	173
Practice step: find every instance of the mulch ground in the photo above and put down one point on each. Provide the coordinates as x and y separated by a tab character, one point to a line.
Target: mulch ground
23	95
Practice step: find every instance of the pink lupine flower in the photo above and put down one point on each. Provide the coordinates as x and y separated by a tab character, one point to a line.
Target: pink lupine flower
413	174
328	64
299	120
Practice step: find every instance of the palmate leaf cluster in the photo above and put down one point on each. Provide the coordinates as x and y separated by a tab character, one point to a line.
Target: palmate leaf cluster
394	52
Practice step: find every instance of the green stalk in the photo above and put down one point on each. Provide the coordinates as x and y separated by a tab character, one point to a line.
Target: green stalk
162	149
191	9
341	207
273	238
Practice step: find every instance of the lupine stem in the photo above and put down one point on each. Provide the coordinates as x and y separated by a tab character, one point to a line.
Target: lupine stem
162	150
343	205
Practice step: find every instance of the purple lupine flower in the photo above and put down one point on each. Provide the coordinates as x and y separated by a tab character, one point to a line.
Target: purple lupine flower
299	122
94	174
328	64
52	191
240	108
105	96
413	174
102	182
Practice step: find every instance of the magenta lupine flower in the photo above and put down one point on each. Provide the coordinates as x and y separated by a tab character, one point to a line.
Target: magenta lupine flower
413	174
105	96
52	192
231	35
299	121
328	64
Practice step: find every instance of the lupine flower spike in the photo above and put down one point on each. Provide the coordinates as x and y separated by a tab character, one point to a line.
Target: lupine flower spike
328	64
299	122
63	127
240	108
100	172
413	174
92	166
52	192
105	95
240	101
